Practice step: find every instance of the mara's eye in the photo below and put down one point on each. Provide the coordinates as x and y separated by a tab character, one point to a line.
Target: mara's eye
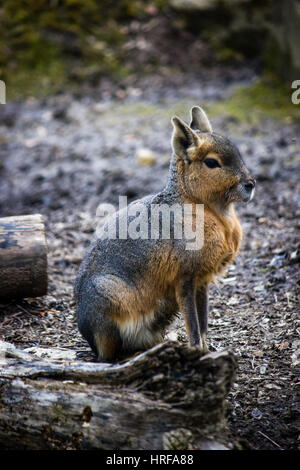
212	163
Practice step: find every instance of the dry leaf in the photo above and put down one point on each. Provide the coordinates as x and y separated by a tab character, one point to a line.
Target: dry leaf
283	345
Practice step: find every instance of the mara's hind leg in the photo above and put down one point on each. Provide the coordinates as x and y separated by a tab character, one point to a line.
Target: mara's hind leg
108	343
164	315
94	321
202	308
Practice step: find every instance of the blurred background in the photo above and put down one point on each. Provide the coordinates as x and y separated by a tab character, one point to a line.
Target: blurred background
48	44
91	88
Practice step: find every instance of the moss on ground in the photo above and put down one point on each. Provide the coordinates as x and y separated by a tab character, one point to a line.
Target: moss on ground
47	45
266	98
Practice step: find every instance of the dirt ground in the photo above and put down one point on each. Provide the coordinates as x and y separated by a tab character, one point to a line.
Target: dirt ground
62	156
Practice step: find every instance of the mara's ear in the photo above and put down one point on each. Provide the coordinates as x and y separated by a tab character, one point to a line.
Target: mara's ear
183	138
199	120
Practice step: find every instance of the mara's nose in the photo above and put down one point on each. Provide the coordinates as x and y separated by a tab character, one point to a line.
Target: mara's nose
249	185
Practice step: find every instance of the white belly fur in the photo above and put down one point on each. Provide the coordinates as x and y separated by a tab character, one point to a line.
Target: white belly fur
138	333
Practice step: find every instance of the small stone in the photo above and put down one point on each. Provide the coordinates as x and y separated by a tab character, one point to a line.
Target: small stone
178	439
256	413
172	336
145	157
213	445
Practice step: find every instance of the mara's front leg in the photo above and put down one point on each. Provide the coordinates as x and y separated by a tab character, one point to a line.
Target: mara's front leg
186	299
202	308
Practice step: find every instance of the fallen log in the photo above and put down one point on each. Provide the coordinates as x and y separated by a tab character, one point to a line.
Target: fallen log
23	257
170	397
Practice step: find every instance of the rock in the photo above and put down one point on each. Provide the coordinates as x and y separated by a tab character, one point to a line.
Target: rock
145	156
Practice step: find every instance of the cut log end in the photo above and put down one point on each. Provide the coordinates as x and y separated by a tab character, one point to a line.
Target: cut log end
23	257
